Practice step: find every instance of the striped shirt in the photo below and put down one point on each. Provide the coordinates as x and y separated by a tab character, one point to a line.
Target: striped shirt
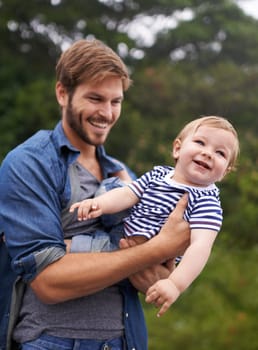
158	195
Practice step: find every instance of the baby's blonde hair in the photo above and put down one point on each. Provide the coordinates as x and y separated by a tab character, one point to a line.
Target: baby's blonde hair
213	122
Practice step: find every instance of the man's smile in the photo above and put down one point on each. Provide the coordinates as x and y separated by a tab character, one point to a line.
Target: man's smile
98	122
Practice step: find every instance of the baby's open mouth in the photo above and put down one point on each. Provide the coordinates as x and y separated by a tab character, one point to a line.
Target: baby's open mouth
202	164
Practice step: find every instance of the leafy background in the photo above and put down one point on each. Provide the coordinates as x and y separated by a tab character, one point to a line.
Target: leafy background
187	58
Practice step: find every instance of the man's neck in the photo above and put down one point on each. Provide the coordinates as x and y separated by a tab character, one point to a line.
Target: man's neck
88	159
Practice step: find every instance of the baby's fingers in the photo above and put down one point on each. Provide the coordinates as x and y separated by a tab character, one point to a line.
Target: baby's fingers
157	299
89	210
82	213
163	309
94	213
74	206
152	295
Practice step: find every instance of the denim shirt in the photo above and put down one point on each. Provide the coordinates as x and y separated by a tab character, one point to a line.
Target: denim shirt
34	185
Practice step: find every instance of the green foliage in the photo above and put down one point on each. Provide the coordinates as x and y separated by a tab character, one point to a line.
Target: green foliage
205	64
241	218
35	108
212	76
217	312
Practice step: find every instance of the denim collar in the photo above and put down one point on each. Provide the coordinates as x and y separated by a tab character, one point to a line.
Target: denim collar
108	164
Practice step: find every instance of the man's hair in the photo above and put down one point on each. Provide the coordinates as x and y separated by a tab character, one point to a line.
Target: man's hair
90	61
213	122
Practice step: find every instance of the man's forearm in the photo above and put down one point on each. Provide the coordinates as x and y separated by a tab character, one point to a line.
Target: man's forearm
79	274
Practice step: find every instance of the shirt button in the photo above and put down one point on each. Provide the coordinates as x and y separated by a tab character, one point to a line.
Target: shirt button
106	347
127	315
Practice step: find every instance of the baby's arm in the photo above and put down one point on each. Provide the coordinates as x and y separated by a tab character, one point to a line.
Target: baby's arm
110	202
165	292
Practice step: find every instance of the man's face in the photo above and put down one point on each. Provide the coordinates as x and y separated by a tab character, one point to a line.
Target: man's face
92	110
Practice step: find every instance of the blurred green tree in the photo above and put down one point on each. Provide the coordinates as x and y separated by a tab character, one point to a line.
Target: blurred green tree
187	57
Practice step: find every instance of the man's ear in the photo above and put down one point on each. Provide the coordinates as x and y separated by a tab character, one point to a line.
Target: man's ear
61	94
176	148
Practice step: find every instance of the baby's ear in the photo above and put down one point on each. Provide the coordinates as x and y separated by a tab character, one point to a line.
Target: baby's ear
228	170
176	148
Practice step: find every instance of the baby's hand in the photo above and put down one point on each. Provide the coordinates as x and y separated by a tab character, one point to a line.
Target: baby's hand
87	209
163	293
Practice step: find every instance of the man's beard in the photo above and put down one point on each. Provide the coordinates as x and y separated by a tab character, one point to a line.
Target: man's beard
74	120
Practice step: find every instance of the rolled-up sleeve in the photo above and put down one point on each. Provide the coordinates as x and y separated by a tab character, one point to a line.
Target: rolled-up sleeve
30	205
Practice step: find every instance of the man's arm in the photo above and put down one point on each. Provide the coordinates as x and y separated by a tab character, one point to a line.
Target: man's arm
144	279
80	274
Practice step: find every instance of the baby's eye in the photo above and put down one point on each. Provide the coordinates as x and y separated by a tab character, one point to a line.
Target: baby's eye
199	142
221	153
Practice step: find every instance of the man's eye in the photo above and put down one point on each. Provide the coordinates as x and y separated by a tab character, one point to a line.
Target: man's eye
94	98
116	102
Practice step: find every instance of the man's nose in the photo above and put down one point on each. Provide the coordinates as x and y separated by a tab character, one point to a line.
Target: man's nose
106	110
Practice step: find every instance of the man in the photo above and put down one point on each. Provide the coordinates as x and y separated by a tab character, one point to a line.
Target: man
77	300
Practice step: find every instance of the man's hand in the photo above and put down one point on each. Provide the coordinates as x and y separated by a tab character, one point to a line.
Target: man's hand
175	226
146	278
